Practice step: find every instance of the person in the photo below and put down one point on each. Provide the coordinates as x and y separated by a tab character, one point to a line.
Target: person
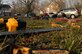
46	16
63	15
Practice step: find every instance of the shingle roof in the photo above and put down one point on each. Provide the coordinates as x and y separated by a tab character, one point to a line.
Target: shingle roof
4	6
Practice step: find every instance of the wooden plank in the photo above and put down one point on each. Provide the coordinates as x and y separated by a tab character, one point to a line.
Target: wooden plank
29	31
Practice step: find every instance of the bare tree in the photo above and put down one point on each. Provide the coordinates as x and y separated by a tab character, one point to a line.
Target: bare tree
25	6
1	1
29	4
45	4
13	7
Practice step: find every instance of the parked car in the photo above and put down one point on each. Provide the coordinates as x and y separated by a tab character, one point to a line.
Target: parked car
44	16
17	14
30	15
53	14
69	13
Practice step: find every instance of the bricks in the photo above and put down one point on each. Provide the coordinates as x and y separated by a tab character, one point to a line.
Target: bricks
59	52
21	50
26	50
50	52
40	52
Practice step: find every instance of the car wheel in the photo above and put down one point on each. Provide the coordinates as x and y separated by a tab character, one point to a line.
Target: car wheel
72	16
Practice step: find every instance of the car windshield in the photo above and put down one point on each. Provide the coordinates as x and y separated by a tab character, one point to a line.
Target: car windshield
51	13
71	9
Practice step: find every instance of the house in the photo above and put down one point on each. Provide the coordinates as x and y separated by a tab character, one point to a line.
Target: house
53	7
5	10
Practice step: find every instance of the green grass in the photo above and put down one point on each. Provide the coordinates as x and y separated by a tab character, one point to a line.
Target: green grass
69	39
80	17
37	24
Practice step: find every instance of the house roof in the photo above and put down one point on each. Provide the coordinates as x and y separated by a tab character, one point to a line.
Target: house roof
4	6
53	4
53	7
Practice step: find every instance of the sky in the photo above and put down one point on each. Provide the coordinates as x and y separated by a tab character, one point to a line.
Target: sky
10	1
7	1
67	2
70	3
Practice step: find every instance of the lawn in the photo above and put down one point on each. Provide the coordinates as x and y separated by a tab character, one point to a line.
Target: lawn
70	38
37	24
